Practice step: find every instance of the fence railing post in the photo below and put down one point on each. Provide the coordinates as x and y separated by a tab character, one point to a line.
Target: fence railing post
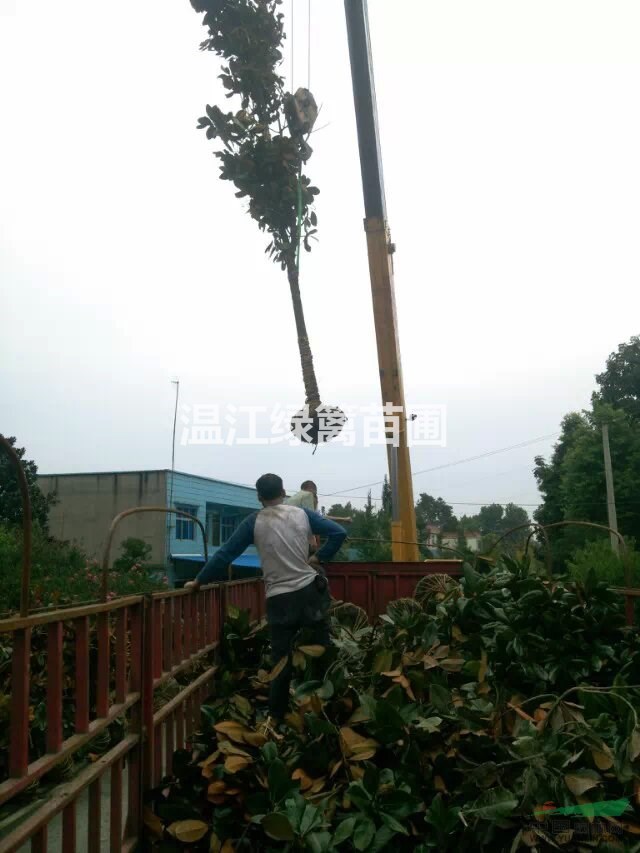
20	680
148	669
135	762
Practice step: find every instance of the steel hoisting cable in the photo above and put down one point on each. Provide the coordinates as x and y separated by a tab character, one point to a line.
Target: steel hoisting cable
309	47
292	35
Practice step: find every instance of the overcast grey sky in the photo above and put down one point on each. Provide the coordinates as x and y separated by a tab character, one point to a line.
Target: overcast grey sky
510	138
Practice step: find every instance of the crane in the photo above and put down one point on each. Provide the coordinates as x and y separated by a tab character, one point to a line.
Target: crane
380	251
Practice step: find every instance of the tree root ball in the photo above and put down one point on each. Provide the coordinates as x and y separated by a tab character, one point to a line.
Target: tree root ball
319	425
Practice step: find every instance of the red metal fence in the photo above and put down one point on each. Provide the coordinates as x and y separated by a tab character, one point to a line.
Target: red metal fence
373	585
128	658
125	654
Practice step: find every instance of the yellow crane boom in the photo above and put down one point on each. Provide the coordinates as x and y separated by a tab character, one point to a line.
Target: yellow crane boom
381	249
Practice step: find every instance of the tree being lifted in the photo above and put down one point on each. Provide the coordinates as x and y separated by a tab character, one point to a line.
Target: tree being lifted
263	151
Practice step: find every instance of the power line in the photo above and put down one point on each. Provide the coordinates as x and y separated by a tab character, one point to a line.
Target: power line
486	502
489	501
452	464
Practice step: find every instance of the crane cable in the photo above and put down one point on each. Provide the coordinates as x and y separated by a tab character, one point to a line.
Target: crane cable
292	38
299	217
309	46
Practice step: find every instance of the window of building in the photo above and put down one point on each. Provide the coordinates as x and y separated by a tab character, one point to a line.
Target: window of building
213	527
228	526
185	527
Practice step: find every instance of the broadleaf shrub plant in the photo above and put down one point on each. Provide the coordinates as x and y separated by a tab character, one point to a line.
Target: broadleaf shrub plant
457	723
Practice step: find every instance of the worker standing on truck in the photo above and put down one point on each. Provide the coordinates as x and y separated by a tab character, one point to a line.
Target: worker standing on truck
297	589
306	498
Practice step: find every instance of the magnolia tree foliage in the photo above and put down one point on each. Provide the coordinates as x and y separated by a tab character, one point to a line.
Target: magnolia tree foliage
449	724
262	148
258	151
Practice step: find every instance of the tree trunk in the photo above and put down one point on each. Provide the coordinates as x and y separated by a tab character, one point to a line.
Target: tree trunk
306	359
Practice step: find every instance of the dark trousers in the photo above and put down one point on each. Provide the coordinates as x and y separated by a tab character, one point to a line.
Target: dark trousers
288	614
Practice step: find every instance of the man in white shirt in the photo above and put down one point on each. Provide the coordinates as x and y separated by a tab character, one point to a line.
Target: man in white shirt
297	593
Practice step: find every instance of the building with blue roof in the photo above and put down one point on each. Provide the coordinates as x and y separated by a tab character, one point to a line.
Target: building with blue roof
88	502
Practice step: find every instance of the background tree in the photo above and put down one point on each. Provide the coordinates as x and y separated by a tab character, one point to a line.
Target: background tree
620	381
432	512
10	500
573	485
435	511
461	543
513	516
548	474
470	523
490	518
342	510
597	556
369	531
135	552
374	525
387	507
263	150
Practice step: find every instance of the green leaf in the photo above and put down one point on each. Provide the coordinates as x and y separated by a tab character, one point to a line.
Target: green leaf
277	826
371	779
388	718
326	691
494	804
382	838
400	803
311	817
472	580
319	727
363	833
280	783
318	842
440	698
441	818
306	688
428	724
344	830
269	752
359	795
393	824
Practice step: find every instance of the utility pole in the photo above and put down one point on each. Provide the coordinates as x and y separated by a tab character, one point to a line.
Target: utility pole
611	498
175	382
380	250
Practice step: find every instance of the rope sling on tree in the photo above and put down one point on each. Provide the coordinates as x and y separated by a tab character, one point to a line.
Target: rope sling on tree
266	163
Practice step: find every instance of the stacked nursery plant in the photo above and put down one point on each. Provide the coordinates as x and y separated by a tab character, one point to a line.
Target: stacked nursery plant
450	724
